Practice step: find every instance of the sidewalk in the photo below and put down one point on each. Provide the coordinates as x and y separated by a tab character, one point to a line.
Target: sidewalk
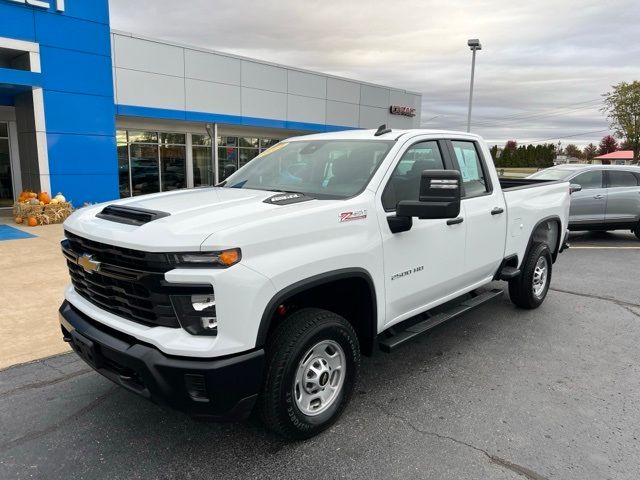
33	274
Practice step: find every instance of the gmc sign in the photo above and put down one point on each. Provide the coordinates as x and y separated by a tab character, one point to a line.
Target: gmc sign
399	110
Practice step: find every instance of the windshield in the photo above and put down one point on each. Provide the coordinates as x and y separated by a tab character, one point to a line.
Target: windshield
317	168
552	174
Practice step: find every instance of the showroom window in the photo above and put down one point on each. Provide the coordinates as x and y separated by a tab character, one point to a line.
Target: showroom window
151	161
236	152
202	161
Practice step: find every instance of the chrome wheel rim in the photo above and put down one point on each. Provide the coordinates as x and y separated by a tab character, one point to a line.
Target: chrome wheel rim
319	377
540	276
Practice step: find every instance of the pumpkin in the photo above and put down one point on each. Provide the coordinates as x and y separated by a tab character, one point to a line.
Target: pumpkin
32	222
19	219
54	201
34	201
32	194
60	198
44	197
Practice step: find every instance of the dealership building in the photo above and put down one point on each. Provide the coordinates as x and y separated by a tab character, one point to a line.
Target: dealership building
100	114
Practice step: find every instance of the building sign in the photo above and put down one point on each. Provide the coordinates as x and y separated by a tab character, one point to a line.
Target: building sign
400	110
41	4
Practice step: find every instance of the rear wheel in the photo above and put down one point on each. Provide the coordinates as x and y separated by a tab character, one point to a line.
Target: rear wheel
637	231
530	288
312	365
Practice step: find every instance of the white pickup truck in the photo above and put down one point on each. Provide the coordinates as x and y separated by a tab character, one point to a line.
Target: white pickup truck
261	293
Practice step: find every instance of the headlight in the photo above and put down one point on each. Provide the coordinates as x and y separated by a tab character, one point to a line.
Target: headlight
223	258
196	313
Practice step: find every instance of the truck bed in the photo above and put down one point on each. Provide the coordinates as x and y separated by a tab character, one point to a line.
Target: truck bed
517	183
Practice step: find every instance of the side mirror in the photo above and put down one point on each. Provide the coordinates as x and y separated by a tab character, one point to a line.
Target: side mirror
439	196
574	187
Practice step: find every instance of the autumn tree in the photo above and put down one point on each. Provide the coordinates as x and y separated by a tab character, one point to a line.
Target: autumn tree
573	151
608	144
590	151
511	145
622	107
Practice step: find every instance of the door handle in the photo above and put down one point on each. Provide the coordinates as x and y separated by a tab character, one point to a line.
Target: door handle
598	197
455	221
497	211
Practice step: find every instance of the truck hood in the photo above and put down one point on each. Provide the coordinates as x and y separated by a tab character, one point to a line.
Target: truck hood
192	216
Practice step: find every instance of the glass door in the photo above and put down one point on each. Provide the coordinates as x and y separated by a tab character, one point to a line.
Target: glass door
6	177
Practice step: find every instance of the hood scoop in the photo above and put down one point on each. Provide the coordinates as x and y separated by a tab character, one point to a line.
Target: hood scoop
130	215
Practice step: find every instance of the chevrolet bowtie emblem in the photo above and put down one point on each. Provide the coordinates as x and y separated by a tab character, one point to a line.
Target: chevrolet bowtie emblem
88	263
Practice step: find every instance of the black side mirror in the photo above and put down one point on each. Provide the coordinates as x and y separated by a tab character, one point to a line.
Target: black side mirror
439	196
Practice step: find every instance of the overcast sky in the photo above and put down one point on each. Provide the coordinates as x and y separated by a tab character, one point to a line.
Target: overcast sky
540	75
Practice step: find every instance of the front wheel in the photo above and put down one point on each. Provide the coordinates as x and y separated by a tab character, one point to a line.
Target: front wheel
530	288
312	366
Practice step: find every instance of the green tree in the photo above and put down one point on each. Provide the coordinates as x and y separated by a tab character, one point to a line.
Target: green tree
573	151
622	107
590	151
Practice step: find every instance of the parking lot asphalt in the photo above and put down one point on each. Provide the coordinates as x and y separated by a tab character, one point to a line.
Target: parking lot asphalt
499	394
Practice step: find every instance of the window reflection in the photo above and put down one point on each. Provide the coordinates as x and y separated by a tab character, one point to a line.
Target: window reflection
145	176
173	160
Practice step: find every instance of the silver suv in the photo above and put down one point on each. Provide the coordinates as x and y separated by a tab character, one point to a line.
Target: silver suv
608	200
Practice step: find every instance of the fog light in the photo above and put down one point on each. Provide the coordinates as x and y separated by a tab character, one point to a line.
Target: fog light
210	323
202	302
196	313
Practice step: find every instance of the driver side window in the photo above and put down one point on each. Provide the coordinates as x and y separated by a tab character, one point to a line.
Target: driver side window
404	183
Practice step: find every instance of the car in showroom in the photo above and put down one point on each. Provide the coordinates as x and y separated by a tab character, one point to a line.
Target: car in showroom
608	197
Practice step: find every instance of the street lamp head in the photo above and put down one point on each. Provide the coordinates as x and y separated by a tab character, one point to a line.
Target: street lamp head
474	44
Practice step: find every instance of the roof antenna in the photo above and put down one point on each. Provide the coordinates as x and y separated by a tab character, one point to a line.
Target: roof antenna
382	129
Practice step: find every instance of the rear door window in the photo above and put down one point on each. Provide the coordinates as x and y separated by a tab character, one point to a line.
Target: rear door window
621	179
589	180
471	169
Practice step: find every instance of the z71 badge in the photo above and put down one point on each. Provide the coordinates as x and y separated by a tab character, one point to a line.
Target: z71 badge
350	216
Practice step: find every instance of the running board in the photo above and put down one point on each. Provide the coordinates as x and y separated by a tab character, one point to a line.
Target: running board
392	342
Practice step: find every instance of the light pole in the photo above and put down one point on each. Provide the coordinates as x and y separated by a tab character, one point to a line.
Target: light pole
474	45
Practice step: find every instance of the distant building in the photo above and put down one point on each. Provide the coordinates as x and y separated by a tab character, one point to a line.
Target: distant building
621	157
564	159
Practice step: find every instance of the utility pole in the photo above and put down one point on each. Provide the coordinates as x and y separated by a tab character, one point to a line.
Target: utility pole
474	45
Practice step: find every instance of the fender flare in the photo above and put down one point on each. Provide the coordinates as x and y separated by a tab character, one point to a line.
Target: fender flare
311	282
554	255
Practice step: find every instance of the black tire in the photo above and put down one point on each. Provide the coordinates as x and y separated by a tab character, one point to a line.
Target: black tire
637	231
521	288
293	338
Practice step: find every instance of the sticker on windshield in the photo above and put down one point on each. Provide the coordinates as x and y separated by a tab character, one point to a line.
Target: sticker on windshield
355	215
273	149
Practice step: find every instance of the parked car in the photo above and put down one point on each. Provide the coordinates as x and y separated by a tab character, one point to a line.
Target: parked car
609	198
264	291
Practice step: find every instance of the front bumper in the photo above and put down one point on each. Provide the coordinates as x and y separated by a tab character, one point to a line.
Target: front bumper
219	389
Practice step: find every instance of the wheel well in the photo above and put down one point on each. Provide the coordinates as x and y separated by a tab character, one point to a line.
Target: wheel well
351	297
547	231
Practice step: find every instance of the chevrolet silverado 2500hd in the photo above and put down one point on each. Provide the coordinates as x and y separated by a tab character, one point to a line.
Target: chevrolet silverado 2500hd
262	292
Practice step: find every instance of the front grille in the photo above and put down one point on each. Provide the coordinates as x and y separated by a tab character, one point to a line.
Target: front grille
129	283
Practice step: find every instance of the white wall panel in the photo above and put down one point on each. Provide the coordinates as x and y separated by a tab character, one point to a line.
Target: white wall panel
374	96
343	91
147	56
212	97
342	114
372	117
149	89
212	67
264	104
264	77
307	84
306	109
